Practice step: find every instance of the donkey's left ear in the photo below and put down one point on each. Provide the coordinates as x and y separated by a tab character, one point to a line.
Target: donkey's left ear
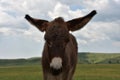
40	24
78	23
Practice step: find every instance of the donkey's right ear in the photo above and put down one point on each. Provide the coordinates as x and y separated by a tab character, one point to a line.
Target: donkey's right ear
40	24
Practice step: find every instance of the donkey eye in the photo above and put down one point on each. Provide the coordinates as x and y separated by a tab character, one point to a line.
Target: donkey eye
49	43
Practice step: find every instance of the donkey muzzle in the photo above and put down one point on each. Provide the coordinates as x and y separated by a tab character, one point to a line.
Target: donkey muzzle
56	65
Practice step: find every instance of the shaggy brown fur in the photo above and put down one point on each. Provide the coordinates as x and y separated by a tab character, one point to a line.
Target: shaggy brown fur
60	43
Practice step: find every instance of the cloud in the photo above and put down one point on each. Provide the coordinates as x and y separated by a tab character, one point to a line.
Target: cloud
6	31
98	31
33	33
12	20
13	15
64	11
102	30
107	10
117	43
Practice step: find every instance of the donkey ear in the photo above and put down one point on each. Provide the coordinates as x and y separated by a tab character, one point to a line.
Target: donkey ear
40	24
78	23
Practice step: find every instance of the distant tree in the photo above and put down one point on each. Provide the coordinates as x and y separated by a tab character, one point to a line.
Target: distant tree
109	62
118	61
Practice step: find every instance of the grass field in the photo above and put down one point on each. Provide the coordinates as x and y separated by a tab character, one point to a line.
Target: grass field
83	72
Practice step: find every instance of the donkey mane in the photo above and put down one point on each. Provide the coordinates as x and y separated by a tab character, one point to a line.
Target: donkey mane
59	19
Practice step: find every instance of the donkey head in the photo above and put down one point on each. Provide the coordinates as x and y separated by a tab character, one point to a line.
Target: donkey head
57	31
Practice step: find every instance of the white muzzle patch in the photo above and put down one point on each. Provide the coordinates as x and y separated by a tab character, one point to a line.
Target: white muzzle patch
56	63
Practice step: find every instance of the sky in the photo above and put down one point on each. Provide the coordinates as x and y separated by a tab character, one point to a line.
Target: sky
19	39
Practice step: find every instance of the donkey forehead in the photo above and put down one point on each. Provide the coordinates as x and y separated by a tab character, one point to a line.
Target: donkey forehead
57	28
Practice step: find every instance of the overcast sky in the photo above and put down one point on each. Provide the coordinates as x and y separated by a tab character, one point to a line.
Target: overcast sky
19	39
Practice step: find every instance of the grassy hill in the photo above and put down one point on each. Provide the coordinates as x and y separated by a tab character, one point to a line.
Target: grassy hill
115	60
14	62
83	58
96	58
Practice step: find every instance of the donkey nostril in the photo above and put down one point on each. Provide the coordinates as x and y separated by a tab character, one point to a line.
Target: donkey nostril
56	71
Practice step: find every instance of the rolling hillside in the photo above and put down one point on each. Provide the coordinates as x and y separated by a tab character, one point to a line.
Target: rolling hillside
83	58
96	58
14	62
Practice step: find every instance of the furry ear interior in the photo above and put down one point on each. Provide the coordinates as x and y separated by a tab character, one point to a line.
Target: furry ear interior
78	23
39	23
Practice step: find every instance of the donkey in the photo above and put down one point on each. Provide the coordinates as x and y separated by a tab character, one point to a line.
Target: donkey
59	57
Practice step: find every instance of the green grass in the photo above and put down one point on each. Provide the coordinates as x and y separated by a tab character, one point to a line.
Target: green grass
83	72
97	72
21	73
